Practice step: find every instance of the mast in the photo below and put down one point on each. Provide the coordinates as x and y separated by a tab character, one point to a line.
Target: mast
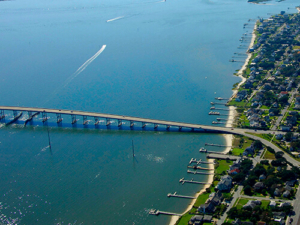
133	150
49	140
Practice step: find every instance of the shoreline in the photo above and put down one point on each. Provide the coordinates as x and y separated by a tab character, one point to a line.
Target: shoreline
228	137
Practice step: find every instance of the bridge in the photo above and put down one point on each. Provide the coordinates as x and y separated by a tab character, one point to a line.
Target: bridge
109	119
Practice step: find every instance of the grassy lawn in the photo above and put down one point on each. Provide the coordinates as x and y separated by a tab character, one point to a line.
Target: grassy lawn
269	155
201	199
265	203
184	220
241	203
237	151
238	104
223	166
264	107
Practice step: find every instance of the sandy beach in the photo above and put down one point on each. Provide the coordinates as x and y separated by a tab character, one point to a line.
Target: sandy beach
228	137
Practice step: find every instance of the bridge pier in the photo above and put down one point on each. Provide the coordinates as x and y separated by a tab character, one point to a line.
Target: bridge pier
96	121
179	128
155	126
85	121
108	122
119	123
2	115
168	127
45	118
58	118
131	124
74	121
15	113
143	125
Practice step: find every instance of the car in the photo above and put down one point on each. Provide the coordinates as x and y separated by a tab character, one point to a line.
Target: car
231	128
271	198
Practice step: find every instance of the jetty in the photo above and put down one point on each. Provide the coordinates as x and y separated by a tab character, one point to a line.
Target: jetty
182	181
199	168
206	151
202	173
180	196
157	212
194	160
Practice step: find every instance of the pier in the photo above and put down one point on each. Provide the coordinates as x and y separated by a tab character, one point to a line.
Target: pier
224	157
217	122
206	151
180	196
182	181
194	160
202	173
157	212
198	168
219	98
216	145
218	103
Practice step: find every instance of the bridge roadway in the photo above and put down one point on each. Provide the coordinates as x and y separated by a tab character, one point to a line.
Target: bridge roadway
193	127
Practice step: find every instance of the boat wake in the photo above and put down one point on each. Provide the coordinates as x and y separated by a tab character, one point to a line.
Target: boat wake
117	18
84	65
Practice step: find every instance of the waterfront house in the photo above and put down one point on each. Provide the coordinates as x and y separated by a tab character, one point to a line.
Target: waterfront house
214	200
195	220
225	183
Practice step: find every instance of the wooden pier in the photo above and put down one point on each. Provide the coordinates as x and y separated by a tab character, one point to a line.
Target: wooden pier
206	151
157	212
194	160
202	173
182	181
216	145
180	196
198	168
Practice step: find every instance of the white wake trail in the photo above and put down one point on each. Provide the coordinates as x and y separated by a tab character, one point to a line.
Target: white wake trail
117	18
84	65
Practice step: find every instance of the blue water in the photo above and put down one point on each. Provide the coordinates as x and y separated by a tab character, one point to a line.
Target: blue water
163	60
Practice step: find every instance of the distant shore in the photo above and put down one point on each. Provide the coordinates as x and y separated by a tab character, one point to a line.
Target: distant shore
228	137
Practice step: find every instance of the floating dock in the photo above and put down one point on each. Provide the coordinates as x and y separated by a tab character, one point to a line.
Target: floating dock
180	196
202	173
194	160
182	181
157	212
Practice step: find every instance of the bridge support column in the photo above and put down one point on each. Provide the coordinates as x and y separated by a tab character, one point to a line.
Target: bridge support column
155	126
180	128
119	123
143	125
85	121
192	129
74	120
29	114
2	115
58	118
96	121
168	127
131	124
108	122
15	113
45	118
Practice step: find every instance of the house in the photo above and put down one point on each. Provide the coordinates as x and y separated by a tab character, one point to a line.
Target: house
262	177
225	183
285	128
261	223
258	186
291	183
234	171
214	200
267	86
207	219
252	203
279	136
249	151
236	164
286	194
288	188
277	192
272	204
284	204
195	219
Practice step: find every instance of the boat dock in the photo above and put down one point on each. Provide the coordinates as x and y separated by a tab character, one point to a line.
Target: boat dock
180	196
198	168
182	181
225	157
217	122
218	103
157	212
219	98
194	160
206	151
217	145
196	172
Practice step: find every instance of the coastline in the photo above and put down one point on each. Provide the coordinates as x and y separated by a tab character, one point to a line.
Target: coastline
228	137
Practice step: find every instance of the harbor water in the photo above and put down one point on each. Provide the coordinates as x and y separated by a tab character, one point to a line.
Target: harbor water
155	59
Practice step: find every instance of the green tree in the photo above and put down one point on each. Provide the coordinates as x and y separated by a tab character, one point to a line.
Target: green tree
248	190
